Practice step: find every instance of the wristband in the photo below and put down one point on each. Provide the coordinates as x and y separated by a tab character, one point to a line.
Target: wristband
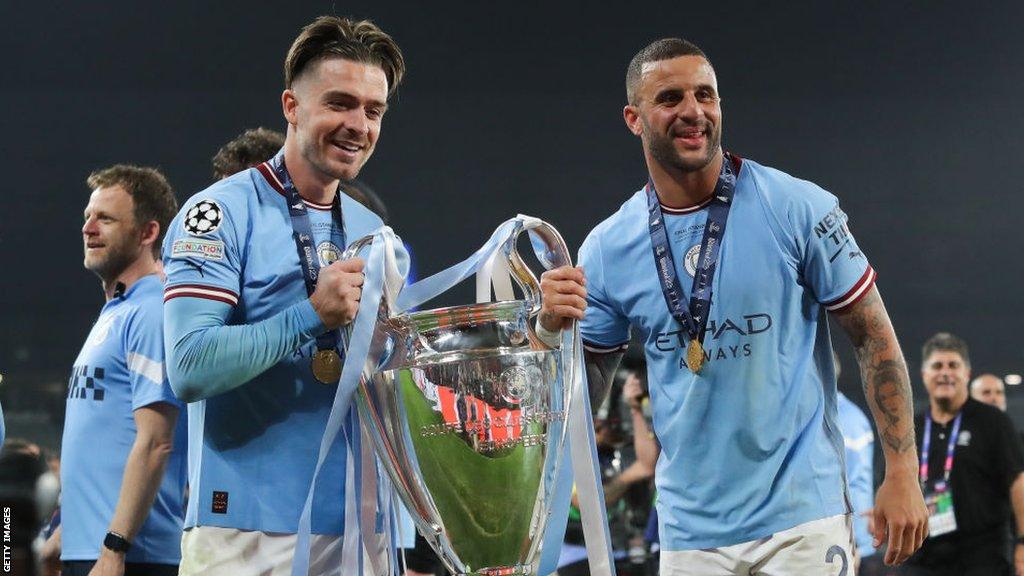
116	543
551	338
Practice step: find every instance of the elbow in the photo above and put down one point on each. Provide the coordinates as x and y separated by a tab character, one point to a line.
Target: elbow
185	383
157	448
188	378
646	471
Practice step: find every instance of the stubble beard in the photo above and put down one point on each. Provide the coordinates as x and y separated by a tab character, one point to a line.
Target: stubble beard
118	258
317	158
664	151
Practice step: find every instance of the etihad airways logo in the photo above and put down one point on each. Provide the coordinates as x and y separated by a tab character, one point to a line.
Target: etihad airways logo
675	341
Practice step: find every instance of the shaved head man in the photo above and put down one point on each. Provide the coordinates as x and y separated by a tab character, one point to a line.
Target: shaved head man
988	388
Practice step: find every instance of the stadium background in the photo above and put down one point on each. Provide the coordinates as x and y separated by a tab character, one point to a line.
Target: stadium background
908	112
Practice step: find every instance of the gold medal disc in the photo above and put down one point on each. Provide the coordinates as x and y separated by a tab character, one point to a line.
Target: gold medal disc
694	356
326	366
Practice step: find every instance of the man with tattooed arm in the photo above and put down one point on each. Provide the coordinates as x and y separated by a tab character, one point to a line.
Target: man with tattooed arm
751	477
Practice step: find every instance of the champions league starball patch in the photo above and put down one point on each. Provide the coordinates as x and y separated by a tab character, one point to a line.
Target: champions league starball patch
203	218
691	258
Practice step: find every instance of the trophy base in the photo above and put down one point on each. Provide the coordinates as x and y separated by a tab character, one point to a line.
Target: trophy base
517	570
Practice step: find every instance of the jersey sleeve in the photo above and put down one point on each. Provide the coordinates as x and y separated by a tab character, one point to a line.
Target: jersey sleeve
830	262
144	358
203	250
604	327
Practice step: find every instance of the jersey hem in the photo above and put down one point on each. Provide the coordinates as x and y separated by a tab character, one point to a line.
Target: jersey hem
596	348
768	531
94	556
262	530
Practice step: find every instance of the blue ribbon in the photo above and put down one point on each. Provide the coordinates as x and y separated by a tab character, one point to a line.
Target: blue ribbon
357	354
579	445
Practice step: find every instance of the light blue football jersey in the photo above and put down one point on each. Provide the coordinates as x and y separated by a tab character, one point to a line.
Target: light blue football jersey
253	450
859	439
750	445
119	370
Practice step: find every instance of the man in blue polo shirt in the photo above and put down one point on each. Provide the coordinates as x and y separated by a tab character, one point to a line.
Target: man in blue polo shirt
256	294
727	268
123	452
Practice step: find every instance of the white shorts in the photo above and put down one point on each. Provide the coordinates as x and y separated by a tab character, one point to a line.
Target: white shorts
214	551
817	548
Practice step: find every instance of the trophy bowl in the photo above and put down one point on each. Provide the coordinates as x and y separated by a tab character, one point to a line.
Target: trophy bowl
467	411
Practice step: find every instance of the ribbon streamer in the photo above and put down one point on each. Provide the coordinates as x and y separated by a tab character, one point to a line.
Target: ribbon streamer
373	519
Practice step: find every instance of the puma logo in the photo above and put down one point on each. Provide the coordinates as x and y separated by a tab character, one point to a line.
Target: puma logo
198	267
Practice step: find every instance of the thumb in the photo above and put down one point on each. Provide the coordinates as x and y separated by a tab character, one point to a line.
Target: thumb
881	527
350	265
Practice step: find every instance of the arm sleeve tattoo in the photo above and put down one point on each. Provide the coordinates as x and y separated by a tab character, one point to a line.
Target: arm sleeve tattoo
600	374
883	371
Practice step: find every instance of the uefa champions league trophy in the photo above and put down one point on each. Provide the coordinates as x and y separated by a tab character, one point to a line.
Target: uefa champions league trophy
467	410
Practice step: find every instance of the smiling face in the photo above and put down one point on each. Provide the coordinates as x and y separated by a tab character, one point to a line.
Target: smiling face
678	113
335	110
111	238
945	375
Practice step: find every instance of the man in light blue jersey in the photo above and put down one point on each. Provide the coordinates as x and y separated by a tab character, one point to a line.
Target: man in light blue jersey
255	297
859	440
123	453
727	269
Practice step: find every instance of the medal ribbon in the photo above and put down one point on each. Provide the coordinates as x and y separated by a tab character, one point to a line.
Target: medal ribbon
926	445
694	318
303	235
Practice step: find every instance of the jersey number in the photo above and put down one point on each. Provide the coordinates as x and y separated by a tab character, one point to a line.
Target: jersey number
837	551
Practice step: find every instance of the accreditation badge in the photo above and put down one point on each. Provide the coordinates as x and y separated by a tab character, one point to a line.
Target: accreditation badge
941	519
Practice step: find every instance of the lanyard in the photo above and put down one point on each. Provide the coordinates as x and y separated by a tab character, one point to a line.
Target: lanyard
303	236
695	316
926	444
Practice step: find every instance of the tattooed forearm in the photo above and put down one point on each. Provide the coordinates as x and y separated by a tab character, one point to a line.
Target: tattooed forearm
600	374
888	384
883	371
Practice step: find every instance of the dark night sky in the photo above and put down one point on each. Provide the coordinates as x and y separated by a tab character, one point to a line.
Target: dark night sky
904	110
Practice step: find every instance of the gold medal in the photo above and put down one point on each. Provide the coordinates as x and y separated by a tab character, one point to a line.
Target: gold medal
326	366
694	356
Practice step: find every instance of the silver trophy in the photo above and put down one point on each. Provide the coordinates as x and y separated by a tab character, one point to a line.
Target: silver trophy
467	410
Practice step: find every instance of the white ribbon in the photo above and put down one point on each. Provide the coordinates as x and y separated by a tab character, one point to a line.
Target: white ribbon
373	520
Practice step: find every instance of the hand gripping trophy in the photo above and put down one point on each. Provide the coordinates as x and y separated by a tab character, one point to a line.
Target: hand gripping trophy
479	426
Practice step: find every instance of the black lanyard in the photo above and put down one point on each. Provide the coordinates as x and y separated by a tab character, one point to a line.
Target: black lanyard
303	235
694	318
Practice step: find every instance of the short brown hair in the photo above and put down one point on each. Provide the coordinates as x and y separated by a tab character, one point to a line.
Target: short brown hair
945	342
154	199
334	37
249	149
664	49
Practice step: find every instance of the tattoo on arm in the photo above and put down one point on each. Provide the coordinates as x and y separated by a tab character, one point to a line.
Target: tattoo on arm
883	370
600	375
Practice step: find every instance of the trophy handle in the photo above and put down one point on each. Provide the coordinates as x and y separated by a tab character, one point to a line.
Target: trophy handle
551	251
356	246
